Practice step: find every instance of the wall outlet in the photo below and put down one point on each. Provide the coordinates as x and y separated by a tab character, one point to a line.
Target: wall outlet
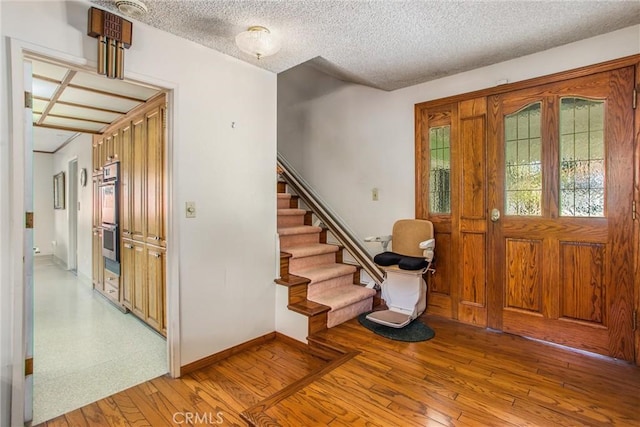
374	194
190	209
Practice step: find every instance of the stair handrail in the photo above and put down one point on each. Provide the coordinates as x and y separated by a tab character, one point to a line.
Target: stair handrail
329	218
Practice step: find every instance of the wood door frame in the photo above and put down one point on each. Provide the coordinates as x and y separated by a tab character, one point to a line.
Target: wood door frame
421	179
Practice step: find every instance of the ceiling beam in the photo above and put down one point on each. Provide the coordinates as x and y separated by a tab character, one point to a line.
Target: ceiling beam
58	92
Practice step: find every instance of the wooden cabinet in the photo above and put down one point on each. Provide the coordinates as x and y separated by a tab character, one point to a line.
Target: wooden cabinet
143	282
154	177
112	146
125	180
111	286
96	155
98	260
138	142
138	284
127	265
137	181
96	216
155	272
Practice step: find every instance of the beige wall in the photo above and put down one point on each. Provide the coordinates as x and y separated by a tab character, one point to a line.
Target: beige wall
222	261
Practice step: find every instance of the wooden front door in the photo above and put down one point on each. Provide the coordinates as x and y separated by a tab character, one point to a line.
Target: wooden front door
560	200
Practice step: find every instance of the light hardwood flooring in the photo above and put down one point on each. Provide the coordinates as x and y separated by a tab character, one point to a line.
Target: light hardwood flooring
465	376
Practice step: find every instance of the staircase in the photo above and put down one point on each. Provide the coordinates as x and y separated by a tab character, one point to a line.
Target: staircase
320	285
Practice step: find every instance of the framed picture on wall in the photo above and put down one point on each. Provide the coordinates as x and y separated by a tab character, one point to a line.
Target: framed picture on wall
58	191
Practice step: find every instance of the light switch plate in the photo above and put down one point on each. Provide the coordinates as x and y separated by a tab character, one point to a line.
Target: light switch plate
190	209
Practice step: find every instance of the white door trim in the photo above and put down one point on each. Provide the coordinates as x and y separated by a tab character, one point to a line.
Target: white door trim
72	215
14	228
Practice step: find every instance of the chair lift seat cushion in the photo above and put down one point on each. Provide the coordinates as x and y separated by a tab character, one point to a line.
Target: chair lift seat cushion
404	262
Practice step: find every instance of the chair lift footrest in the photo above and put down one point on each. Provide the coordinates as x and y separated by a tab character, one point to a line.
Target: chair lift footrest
390	318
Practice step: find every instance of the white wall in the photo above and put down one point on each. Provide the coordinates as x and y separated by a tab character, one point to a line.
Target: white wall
226	255
6	307
80	149
346	139
43	230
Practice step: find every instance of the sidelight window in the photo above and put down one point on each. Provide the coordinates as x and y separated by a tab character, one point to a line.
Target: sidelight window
440	169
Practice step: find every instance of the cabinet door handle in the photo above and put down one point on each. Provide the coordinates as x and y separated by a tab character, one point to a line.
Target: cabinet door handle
156	237
157	255
128	246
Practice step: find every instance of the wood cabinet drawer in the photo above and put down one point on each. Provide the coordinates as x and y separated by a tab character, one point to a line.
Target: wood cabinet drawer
111	285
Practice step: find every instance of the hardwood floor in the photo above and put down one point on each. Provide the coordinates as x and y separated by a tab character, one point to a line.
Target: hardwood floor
465	376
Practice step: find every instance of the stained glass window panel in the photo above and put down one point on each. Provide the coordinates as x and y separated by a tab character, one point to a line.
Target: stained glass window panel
582	163
440	169
523	154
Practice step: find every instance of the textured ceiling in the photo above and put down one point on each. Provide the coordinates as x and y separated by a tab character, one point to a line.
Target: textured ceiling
390	44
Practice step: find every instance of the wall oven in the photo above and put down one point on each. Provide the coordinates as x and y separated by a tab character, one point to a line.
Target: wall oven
109	210
110	242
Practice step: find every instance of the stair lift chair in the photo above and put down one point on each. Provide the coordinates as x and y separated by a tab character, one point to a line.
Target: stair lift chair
404	289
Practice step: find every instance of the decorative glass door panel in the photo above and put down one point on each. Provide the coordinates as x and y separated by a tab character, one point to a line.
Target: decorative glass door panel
440	169
523	174
561	252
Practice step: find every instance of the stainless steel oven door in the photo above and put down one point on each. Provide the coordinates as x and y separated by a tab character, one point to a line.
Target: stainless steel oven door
109	203
110	242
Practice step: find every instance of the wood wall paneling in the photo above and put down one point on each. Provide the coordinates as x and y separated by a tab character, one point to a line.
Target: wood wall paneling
472	247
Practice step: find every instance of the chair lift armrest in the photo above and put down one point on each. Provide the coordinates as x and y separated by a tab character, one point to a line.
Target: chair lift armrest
428	244
383	240
428	247
377	239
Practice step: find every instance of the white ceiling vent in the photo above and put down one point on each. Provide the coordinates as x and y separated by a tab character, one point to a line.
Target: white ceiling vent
132	8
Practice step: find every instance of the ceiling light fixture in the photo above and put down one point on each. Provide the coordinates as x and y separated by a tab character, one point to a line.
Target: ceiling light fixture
258	41
132	8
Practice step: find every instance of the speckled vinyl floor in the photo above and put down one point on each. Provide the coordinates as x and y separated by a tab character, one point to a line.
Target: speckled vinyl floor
85	349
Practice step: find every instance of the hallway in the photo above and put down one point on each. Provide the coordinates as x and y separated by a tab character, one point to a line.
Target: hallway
84	348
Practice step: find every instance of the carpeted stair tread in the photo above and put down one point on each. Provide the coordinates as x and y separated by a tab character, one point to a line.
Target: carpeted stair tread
342	296
300	229
324	272
311	250
291	211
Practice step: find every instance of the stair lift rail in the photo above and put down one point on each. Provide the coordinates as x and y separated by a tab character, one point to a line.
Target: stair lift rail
333	222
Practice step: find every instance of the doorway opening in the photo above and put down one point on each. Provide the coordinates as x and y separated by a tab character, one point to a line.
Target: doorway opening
86	346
